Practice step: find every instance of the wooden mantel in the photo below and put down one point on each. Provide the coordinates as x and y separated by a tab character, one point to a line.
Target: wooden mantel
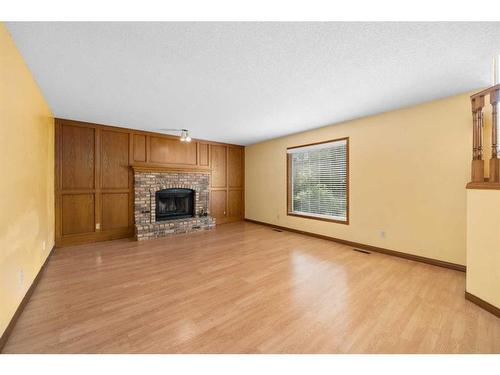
146	169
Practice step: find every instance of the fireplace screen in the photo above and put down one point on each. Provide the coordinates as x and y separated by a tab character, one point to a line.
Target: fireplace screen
174	204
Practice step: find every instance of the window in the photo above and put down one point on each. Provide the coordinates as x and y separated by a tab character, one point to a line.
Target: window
318	181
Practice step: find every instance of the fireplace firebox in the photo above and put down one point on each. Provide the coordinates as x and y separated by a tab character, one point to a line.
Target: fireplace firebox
174	204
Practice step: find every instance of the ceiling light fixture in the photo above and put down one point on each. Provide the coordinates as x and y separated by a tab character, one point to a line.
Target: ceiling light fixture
184	137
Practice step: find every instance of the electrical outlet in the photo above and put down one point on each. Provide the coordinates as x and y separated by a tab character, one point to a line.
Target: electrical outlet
44	246
382	234
98	226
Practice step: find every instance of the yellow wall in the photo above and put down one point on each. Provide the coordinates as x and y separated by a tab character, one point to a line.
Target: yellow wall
27	182
483	249
408	171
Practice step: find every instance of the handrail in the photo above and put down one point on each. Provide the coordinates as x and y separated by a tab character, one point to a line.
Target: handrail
485	92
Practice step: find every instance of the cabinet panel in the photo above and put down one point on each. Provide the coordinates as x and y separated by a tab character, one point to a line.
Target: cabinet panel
114	159
235	167
204	161
77	157
235	203
115	210
77	213
139	147
218	201
218	162
172	151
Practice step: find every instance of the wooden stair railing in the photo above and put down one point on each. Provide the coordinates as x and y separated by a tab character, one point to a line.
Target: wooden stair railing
477	168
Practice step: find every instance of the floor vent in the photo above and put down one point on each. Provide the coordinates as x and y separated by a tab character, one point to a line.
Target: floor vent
277	230
362	251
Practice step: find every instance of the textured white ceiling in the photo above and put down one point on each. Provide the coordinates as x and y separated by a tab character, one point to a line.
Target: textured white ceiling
247	82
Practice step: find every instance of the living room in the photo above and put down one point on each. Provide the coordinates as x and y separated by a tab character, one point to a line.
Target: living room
250	187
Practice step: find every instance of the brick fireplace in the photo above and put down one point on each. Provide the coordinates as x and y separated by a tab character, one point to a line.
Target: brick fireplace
150	186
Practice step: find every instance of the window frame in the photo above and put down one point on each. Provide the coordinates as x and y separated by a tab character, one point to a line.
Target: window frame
289	210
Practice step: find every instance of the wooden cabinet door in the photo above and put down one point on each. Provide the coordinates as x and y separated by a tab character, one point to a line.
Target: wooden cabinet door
235	205
235	167
218	205
114	160
77	158
203	154
218	162
77	214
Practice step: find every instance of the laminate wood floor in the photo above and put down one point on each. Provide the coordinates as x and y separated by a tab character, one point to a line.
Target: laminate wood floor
244	288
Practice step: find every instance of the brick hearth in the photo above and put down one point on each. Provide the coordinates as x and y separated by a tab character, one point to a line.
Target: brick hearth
147	183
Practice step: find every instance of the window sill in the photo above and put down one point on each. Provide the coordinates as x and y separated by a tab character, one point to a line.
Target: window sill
345	222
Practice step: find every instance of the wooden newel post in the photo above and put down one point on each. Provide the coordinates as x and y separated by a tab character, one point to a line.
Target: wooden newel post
494	161
477	168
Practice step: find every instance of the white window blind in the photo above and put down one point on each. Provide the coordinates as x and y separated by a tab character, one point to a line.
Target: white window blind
319	180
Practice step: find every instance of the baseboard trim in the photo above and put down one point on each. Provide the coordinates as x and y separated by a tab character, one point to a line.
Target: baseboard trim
416	258
25	300
482	304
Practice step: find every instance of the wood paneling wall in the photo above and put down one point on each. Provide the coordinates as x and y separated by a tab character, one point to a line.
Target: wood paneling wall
94	178
227	199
